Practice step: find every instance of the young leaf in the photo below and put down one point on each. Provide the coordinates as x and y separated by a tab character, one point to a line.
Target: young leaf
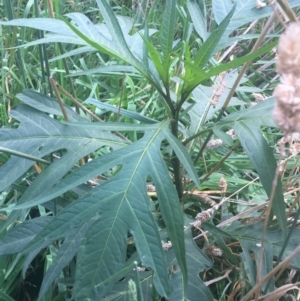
195	73
123	52
156	60
116	32
198	75
207	49
241	60
199	21
167	36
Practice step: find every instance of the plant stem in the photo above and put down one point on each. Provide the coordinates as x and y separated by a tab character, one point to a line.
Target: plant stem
235	146
78	104
208	137
60	101
175	160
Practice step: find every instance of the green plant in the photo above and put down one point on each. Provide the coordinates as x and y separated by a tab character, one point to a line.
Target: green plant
159	105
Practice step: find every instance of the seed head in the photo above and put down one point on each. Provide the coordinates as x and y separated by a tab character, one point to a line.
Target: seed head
288	61
213	251
203	216
223	185
287	108
214	143
167	245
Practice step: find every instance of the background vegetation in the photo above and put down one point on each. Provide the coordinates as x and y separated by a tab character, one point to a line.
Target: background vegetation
139	154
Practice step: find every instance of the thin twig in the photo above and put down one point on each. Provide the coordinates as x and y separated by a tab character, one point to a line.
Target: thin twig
280	291
234	44
61	104
220	162
76	102
226	275
287	10
54	86
217	206
121	96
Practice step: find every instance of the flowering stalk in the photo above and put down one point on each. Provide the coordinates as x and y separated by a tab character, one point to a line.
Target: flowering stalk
287	108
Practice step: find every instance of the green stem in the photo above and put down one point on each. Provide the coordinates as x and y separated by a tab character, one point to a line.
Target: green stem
235	146
175	160
208	138
186	141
